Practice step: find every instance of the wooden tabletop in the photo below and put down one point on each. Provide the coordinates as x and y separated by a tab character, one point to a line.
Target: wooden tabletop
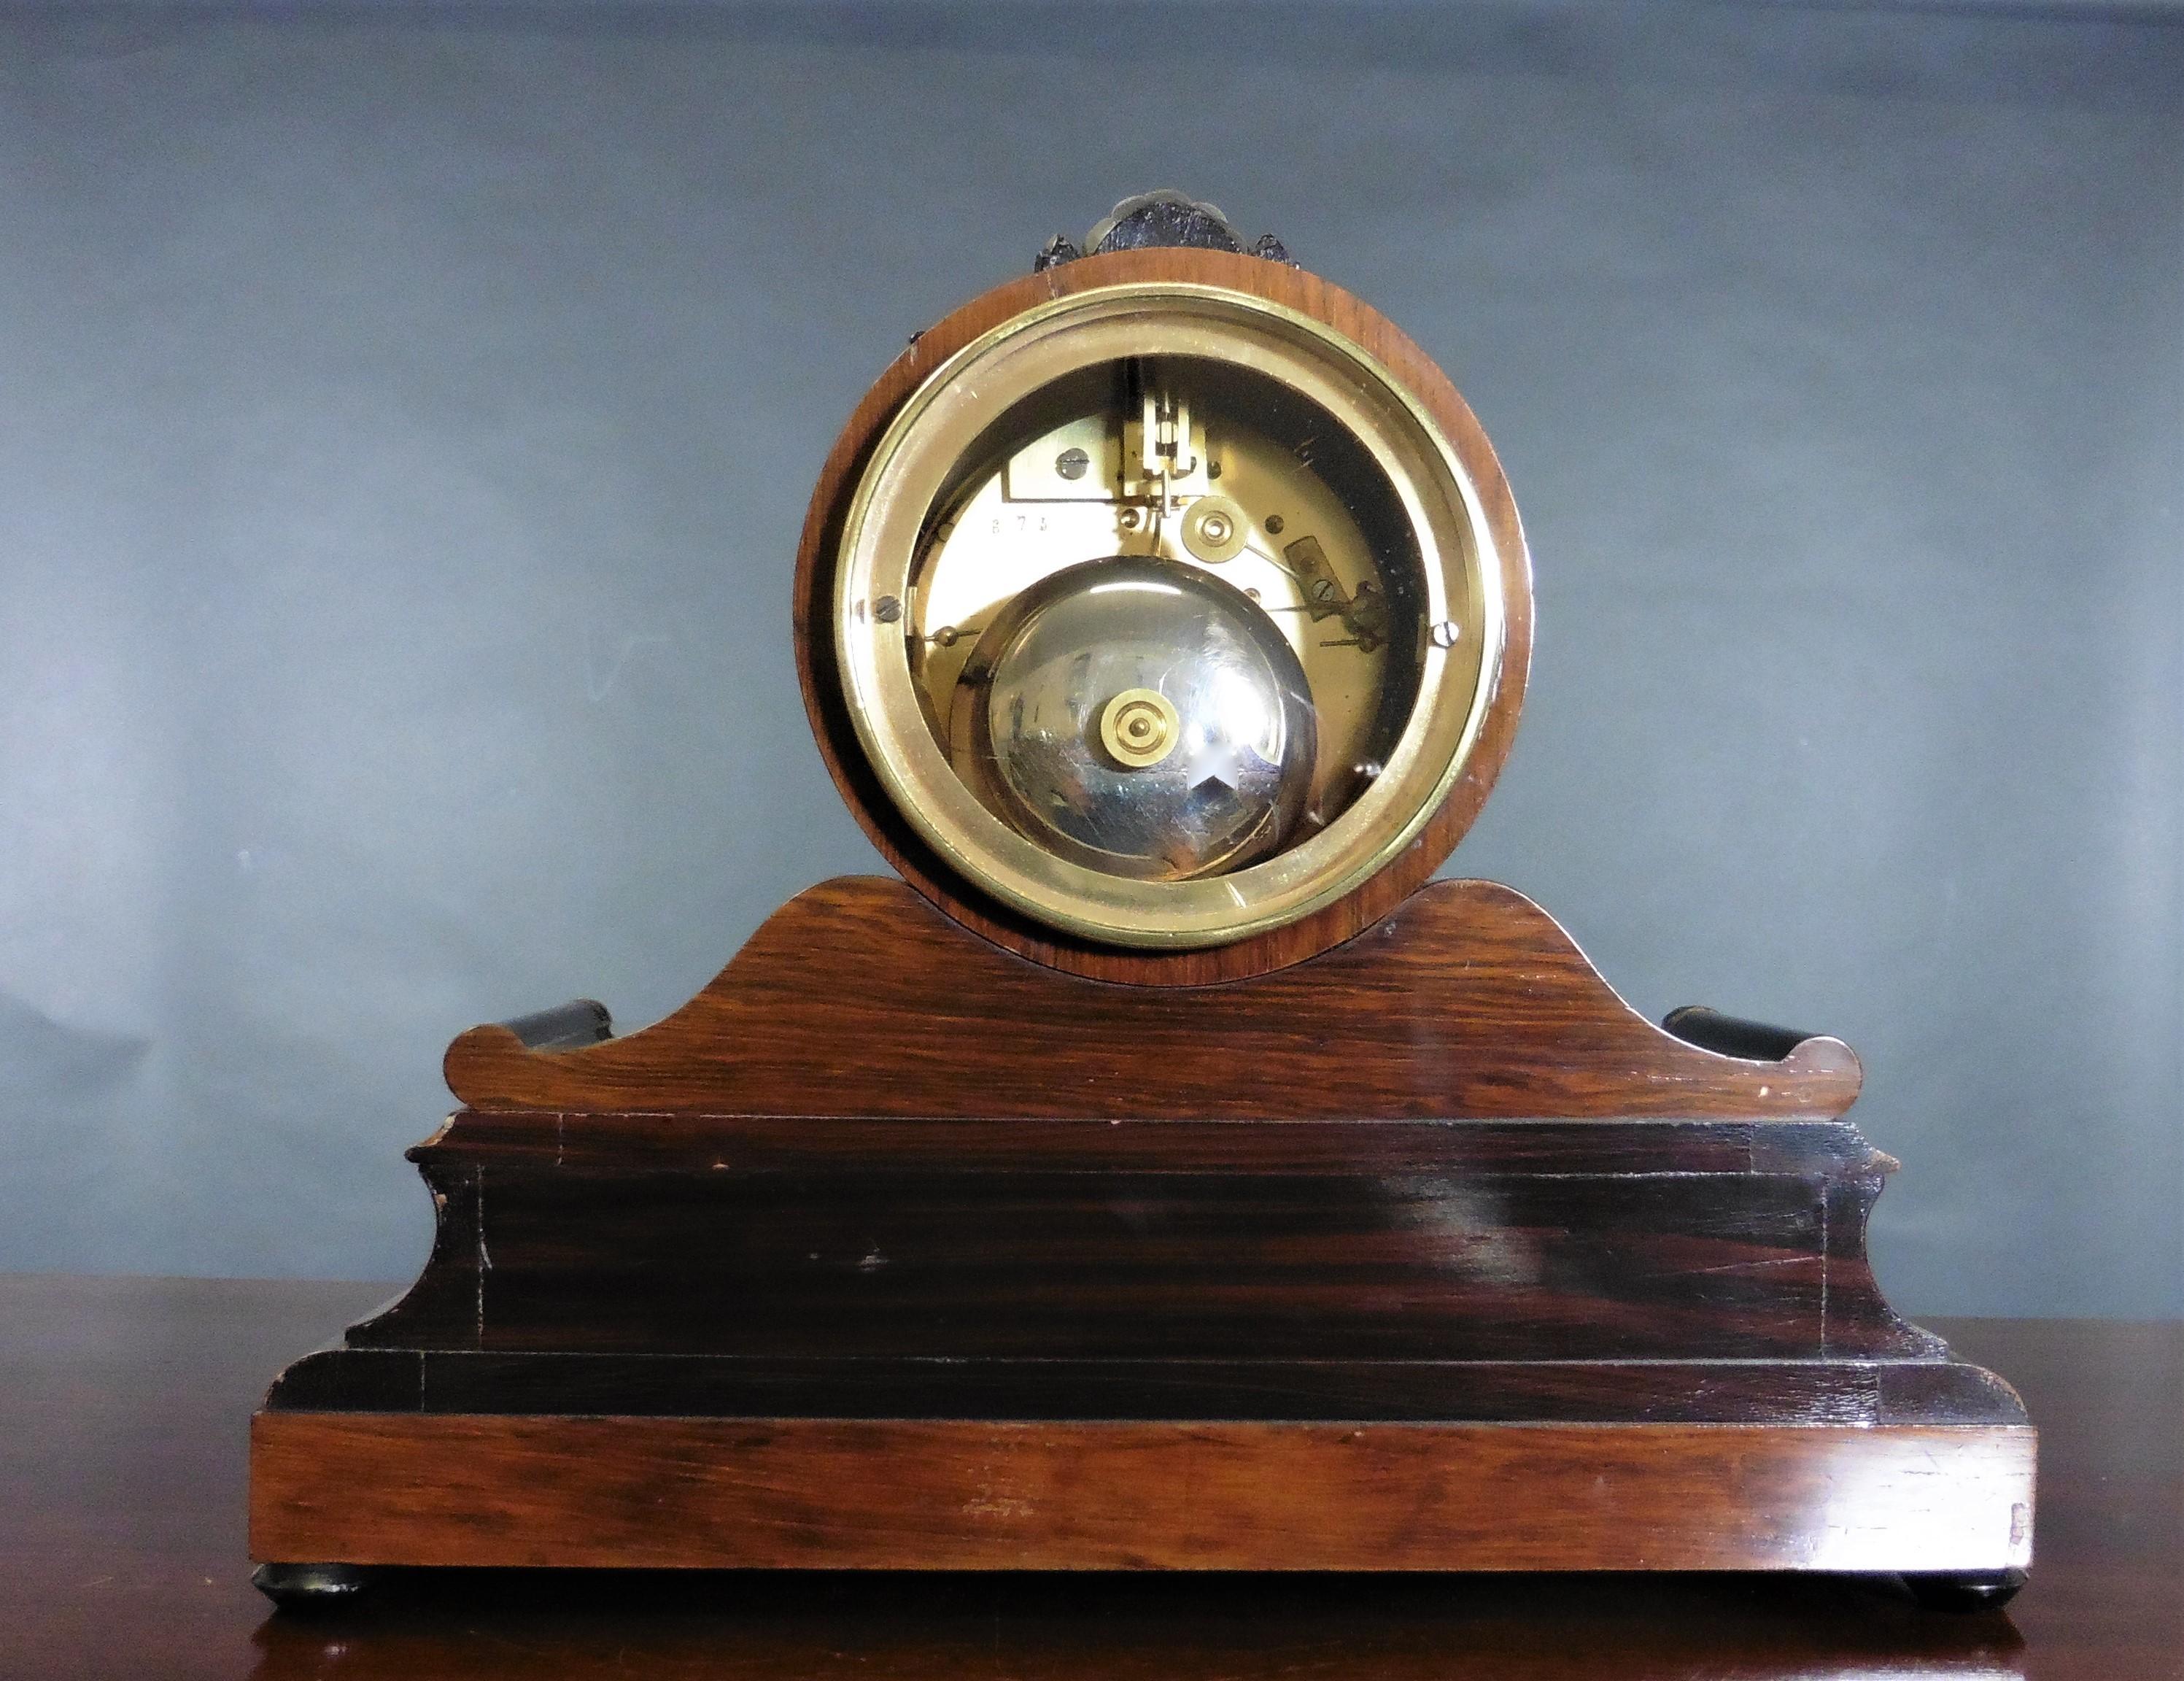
123	1404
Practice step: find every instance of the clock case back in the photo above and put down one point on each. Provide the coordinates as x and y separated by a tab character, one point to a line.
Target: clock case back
926	1238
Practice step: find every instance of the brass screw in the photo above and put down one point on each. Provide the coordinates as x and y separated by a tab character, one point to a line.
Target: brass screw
1139	727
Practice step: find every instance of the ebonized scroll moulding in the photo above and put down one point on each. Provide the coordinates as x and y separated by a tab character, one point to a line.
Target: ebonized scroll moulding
1164	1172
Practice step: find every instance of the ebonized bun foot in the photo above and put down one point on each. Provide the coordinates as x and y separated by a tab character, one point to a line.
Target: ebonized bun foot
310	1587
1964	1591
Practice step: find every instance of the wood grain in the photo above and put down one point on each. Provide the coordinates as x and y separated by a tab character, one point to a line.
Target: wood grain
967	1240
123	1553
857	998
971	1494
821	682
886	1203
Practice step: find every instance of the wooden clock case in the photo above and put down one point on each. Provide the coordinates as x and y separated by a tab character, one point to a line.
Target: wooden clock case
1393	1240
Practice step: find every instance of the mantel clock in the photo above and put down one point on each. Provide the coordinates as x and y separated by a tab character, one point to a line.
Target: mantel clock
1164	1172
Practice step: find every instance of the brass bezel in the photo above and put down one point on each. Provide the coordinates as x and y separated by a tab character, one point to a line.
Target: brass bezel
944	416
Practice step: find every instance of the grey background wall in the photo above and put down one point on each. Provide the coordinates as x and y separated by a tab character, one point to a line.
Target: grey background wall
406	417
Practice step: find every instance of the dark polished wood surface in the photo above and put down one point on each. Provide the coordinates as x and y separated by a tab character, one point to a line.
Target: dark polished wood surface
727	1341
1224	1494
122	1410
857	998
745	1237
715	1341
894	1249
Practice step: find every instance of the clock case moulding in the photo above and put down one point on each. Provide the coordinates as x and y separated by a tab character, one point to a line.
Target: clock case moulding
1394	1240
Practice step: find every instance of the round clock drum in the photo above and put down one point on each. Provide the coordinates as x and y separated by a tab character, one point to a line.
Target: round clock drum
1164	615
